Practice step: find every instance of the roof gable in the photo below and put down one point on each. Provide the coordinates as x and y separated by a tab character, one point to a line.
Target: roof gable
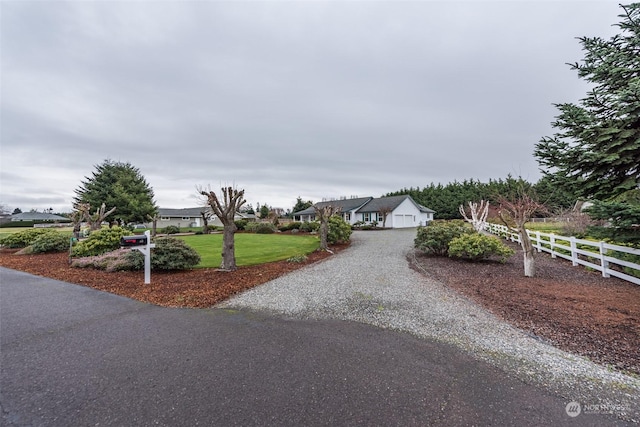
185	212
345	205
391	203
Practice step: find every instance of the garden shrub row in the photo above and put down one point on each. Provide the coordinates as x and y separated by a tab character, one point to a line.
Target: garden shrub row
169	254
457	239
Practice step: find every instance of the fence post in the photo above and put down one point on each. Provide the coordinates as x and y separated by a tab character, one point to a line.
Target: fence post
574	254
552	243
538	241
603	262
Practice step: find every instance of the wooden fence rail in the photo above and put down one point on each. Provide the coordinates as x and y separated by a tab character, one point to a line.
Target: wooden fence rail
591	254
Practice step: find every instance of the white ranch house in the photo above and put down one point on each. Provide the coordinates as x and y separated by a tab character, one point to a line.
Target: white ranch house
190	217
403	211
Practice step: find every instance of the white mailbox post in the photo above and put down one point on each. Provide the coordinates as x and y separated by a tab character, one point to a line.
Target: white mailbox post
144	245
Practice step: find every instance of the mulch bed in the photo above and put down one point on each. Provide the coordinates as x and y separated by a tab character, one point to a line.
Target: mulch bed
197	288
573	308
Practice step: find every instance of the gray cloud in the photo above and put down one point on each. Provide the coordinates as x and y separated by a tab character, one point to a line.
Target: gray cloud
311	99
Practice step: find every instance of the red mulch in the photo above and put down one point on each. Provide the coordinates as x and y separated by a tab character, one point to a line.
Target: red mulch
197	288
573	308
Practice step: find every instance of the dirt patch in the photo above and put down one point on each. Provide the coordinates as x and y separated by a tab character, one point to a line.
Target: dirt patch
197	288
572	308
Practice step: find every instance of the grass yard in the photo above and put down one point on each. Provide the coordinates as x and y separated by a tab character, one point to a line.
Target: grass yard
251	249
546	227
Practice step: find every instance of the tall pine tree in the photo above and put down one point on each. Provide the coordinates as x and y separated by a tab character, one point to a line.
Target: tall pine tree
597	144
118	185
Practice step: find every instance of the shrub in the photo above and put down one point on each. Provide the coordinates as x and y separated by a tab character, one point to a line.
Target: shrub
265	228
173	254
99	242
477	246
339	230
169	254
171	229
295	225
119	260
51	242
297	259
25	238
310	226
241	224
434	238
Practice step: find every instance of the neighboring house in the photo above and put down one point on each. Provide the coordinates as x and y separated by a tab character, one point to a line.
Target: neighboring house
191	217
187	217
38	216
402	211
348	208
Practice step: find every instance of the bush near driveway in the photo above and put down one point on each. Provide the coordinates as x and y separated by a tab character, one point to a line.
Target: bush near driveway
434	238
24	238
476	247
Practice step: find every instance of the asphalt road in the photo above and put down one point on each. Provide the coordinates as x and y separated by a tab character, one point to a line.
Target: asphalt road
73	356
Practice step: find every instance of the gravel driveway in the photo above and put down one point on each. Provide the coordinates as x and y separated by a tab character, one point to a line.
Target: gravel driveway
371	282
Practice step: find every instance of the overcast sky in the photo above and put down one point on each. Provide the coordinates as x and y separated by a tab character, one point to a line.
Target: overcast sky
284	99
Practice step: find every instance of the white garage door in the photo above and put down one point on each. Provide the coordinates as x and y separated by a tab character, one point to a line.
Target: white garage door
402	221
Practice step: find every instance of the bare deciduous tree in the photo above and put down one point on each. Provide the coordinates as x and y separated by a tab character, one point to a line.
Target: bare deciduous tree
80	214
323	214
519	210
154	224
225	209
204	214
384	211
479	214
95	220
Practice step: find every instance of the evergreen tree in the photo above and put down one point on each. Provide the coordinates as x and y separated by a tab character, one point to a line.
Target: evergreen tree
301	205
597	146
118	185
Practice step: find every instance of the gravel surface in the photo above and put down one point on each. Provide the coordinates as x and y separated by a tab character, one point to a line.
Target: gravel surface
371	282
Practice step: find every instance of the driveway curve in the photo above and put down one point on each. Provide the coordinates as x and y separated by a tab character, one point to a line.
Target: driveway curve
371	282
74	356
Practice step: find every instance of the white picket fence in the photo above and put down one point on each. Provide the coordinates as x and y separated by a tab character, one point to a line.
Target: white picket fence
595	255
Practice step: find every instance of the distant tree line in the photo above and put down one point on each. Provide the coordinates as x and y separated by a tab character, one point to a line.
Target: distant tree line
446	199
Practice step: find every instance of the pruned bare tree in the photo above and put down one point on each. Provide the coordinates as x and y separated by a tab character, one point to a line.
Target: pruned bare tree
154	224
204	214
95	220
384	211
323	214
78	216
225	209
519	210
478	214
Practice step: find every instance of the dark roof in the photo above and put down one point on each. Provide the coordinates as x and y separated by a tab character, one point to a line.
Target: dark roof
37	216
391	202
185	212
344	204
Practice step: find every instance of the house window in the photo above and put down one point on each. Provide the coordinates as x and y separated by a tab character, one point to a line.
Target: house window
165	218
347	216
186	218
366	217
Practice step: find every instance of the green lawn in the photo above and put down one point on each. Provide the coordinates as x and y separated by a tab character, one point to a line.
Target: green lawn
251	249
546	227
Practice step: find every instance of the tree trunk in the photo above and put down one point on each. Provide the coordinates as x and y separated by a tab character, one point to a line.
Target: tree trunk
528	252
154	226
324	231
205	224
228	249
